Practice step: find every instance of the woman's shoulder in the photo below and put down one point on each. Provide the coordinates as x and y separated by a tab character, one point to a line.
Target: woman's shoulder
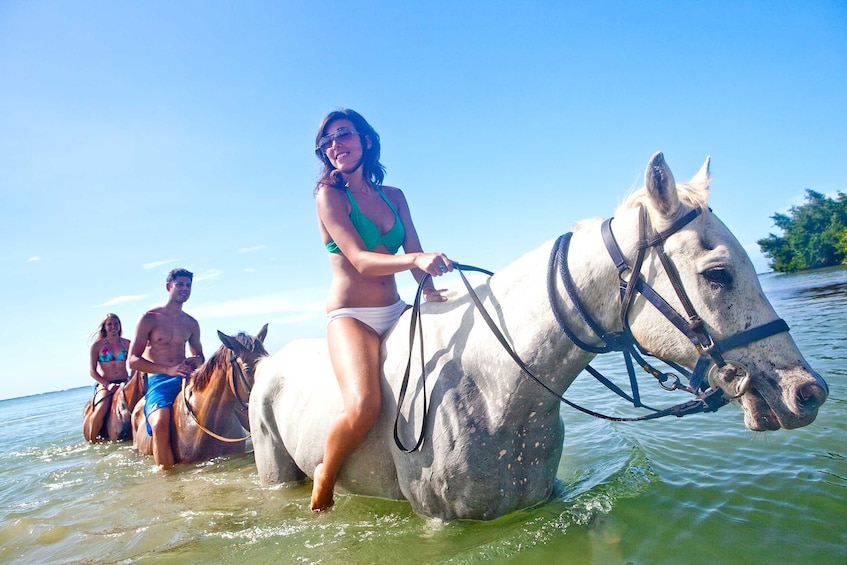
395	195
325	191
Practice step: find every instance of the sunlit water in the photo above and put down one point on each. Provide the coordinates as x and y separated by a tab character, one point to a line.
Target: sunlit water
701	489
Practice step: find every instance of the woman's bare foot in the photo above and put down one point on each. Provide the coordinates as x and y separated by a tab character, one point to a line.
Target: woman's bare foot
321	490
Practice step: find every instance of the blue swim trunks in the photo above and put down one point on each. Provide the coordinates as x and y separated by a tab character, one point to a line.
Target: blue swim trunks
161	393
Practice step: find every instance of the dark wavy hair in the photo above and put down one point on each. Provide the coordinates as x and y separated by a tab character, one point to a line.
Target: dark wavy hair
179	272
374	170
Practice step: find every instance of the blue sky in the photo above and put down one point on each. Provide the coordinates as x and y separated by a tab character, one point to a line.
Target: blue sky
140	136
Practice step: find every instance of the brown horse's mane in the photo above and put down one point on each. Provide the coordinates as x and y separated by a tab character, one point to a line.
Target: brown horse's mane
219	361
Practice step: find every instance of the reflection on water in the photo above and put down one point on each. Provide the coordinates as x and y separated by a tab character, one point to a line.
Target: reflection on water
825	291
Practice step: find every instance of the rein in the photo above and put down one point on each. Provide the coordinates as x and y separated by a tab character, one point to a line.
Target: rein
110	393
707	399
95	402
233	386
416	322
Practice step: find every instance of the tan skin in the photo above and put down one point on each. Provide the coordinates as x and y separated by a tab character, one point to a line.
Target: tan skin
108	374
159	348
360	278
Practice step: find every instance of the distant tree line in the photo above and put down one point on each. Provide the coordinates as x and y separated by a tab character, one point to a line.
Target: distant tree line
814	235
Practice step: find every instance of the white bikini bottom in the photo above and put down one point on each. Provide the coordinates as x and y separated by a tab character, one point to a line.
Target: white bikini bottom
379	318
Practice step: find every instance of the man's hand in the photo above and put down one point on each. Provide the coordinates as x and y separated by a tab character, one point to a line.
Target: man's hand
183	370
195	361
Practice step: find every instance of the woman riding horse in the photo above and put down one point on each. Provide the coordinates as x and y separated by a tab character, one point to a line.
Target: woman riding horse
363	224
493	436
108	415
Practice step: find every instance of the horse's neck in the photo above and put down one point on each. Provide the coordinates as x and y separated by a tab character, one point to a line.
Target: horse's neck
521	297
595	277
217	389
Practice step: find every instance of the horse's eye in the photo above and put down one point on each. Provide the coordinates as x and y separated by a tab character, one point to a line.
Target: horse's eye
718	277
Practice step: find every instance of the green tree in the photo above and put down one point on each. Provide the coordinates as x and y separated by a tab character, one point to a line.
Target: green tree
814	234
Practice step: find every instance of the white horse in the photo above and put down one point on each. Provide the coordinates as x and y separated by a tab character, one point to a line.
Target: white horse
493	438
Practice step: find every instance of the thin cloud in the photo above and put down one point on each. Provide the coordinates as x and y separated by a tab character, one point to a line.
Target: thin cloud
258	305
33	259
300	317
122	299
208	275
252	249
157	264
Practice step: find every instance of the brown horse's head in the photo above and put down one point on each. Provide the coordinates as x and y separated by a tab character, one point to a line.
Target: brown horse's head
247	350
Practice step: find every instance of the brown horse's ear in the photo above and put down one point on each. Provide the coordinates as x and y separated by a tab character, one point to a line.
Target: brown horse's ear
230	342
262	333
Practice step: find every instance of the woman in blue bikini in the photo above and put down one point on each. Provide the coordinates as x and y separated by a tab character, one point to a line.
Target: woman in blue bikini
108	366
363	224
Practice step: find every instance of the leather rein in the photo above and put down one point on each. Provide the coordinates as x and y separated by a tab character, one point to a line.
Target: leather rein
110	393
706	398
233	386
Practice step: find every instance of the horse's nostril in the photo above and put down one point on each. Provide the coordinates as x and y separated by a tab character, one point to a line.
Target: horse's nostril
810	396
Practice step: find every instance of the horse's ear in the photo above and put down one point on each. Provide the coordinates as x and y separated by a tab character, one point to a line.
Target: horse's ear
230	342
262	333
704	176
661	186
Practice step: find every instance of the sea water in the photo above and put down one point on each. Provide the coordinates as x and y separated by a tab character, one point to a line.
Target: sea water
700	489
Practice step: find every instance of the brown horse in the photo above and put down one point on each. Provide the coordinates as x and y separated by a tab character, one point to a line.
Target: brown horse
210	413
116	423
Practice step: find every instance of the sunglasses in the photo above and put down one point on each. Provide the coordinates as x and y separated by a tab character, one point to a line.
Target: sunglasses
342	135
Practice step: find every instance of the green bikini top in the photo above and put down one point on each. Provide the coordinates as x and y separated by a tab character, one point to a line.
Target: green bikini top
368	230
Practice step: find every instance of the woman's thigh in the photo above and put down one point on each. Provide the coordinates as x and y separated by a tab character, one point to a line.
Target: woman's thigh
354	352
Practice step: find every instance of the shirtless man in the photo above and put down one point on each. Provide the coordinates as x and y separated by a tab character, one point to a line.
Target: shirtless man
159	350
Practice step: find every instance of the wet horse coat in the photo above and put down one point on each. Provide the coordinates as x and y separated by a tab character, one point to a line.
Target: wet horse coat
209	417
494	437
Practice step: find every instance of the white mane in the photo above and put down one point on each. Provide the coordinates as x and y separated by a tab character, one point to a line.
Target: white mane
694	193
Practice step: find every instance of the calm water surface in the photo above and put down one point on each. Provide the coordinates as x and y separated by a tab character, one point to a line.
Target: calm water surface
701	489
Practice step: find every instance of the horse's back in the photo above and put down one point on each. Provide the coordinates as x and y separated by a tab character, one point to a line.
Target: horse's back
281	404
294	401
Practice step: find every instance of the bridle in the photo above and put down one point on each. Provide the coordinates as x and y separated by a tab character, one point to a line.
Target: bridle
233	386
690	324
706	398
